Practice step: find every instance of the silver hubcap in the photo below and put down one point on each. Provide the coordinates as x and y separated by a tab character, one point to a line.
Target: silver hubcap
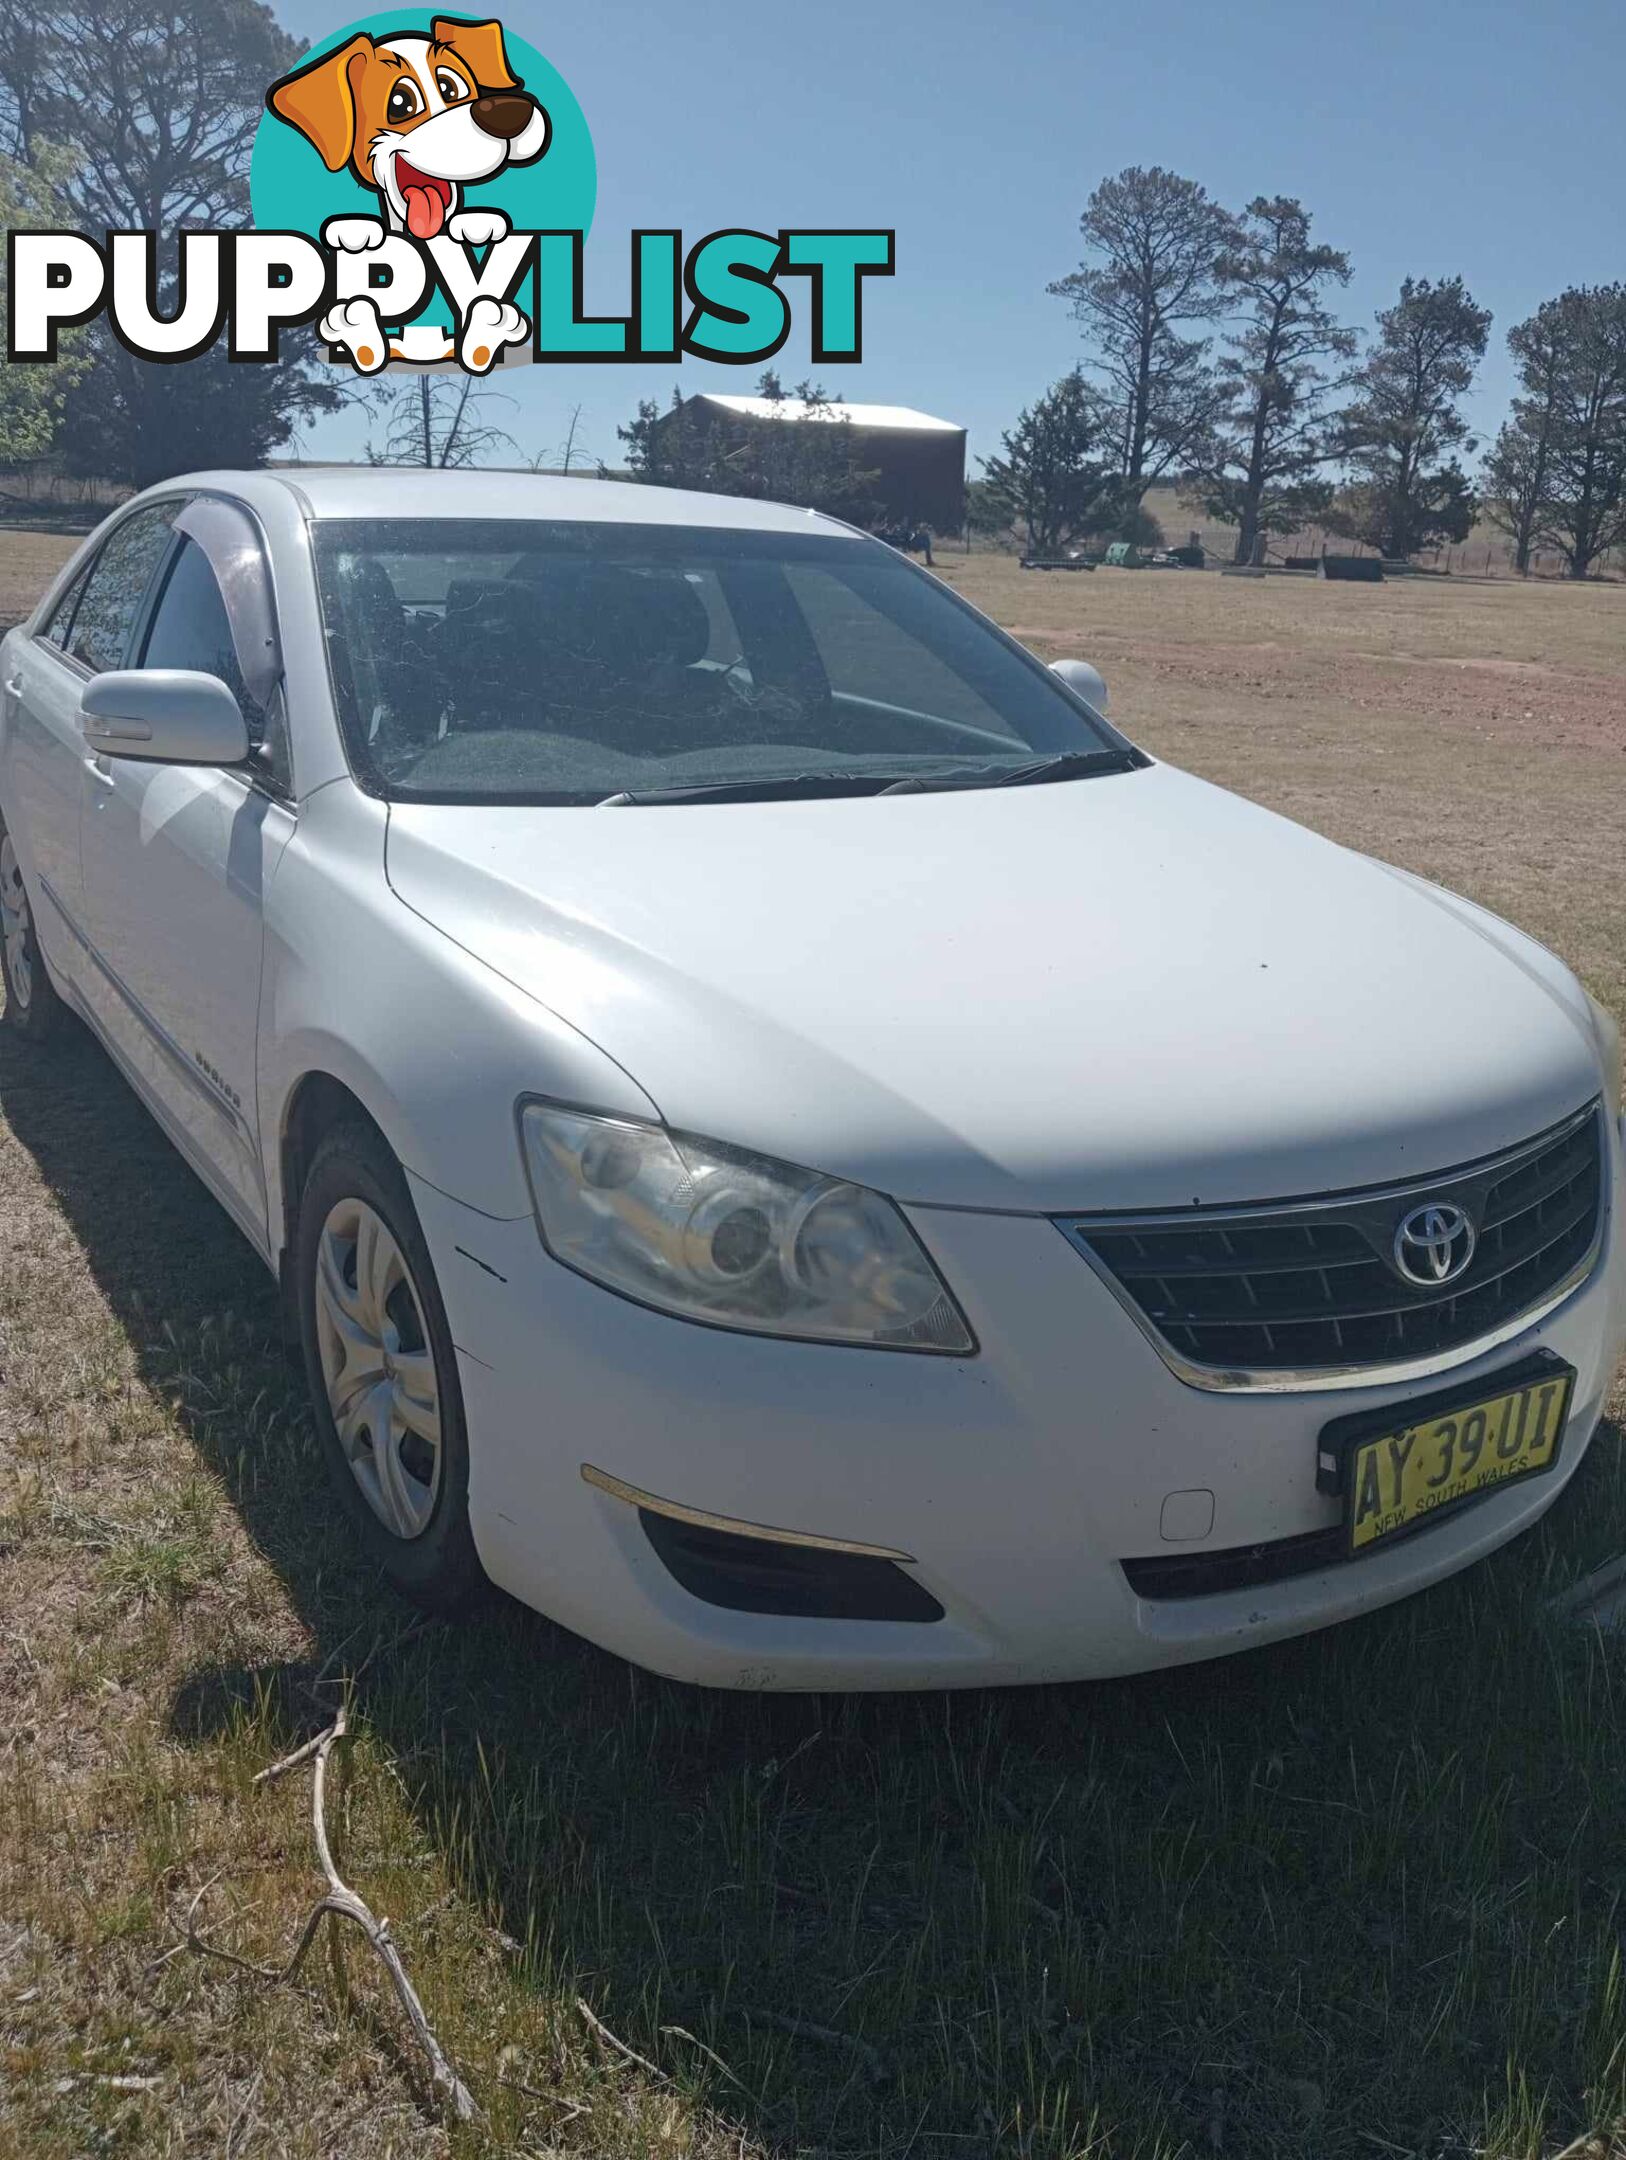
14	922
379	1369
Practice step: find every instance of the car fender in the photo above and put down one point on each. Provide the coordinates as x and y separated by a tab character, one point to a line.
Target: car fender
436	1046
1535	960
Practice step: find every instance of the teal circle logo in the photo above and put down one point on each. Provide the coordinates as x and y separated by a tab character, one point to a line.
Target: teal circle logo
296	185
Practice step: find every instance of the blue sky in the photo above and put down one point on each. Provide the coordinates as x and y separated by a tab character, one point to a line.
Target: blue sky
1425	136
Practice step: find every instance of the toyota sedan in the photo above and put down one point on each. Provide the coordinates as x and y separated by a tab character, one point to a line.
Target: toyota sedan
790	1144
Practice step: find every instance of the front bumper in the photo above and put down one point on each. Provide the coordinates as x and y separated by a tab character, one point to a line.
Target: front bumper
1018	1480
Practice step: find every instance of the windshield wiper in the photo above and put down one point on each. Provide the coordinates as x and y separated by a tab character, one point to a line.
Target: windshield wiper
1059	765
1067	765
792	787
784	787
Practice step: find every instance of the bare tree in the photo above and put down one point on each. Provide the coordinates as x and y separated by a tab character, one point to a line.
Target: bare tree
567	449
436	421
1150	276
569	453
1290	356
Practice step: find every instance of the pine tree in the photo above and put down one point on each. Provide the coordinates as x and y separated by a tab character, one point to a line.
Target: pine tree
1274	435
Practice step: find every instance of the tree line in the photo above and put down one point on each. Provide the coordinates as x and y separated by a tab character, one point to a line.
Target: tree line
1212	353
141	114
1213	358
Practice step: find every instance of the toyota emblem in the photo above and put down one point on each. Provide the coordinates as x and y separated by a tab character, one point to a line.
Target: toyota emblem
1434	1244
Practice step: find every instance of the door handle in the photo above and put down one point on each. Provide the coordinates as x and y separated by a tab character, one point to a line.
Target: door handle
14	686
100	771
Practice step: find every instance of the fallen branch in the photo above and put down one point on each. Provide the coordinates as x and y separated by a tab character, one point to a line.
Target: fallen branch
572	2108
112	2084
600	2030
192	1940
344	1904
286	1763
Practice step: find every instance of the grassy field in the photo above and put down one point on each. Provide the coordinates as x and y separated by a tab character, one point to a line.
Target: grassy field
1358	1895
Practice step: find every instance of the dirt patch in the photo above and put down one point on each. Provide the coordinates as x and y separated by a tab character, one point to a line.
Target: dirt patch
1529	702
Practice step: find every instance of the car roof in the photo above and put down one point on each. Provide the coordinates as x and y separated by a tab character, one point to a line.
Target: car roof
371	491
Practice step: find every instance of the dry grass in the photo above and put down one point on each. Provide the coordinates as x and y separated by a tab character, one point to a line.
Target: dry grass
1540	624
28	562
1355	1895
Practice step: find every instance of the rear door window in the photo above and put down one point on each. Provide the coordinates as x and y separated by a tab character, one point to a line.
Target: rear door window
57	625
106	614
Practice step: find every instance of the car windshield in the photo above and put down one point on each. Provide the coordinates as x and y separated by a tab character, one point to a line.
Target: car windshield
504	660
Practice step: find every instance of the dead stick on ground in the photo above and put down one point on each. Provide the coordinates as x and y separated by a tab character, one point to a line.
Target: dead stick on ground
597	2026
342	1901
572	2108
286	1763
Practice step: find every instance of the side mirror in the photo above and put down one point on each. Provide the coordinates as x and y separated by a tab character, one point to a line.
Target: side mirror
1087	682
165	716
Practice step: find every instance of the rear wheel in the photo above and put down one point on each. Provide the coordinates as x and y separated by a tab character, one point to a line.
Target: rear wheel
32	1005
382	1370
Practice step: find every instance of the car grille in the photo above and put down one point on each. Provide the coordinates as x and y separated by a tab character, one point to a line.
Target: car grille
1301	1287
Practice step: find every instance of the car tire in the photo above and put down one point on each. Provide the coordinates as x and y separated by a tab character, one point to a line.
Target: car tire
382	1371
33	1009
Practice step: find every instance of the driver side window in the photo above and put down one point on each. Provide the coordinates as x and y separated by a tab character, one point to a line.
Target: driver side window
190	628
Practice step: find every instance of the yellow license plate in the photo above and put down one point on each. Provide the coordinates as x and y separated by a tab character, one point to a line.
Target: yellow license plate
1452	1450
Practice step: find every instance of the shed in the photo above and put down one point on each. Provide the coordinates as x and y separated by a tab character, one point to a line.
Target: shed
920	460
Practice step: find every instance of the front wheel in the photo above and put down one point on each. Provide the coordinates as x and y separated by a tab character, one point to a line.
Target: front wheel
33	1008
382	1370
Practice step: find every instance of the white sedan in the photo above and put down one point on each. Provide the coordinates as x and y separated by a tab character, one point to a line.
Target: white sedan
792	1146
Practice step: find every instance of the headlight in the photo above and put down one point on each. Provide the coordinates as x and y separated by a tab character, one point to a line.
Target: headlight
1607	1029
713	1233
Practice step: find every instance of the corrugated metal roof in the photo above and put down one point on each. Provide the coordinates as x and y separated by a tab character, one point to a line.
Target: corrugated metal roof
858	416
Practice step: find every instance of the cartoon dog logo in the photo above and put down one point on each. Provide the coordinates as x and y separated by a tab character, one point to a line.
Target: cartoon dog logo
417	119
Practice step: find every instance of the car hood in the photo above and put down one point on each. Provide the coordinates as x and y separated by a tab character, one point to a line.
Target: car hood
1130	992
